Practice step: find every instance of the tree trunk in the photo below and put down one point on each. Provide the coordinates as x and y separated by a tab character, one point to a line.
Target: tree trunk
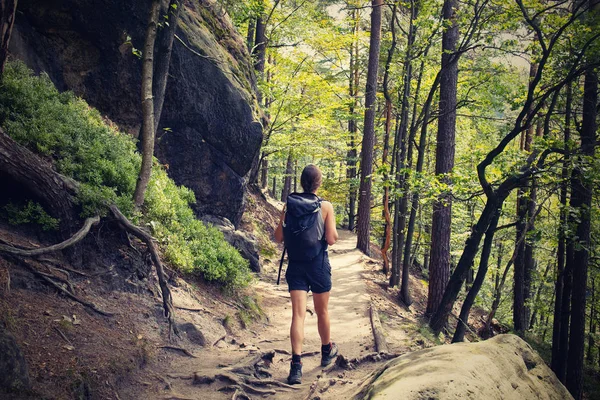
7	20
163	59
264	172
463	320
287	182
388	124
351	157
260	46
439	270
147	107
250	34
581	200
56	192
538	295
558	365
524	259
366	167
591	342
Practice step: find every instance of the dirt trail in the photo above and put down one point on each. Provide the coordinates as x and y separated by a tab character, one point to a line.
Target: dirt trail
351	330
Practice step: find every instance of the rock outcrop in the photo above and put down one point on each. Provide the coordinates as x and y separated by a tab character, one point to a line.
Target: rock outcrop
14	375
502	368
245	242
214	131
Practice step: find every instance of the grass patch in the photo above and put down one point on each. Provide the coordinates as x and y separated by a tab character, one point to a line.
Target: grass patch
84	146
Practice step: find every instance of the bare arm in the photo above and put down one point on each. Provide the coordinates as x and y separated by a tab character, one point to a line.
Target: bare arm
279	229
331	234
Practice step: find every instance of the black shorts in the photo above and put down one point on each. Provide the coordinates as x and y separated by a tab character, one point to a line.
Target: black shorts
312	275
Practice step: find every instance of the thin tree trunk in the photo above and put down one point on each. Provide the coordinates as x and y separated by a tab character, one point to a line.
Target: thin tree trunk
538	295
459	333
8	9
524	257
581	200
260	46
368	142
404	294
163	59
439	271
287	181
147	107
557	366
591	342
264	172
388	124
351	157
250	34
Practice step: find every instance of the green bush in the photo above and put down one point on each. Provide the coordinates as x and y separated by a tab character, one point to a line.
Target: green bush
104	161
30	212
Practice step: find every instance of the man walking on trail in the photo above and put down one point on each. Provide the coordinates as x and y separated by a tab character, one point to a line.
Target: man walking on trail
307	226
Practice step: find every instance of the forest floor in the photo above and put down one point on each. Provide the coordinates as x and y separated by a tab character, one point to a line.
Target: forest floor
185	377
73	352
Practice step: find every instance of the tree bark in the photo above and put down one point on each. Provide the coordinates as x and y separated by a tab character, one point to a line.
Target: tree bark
163	59
56	192
581	200
439	270
147	107
366	168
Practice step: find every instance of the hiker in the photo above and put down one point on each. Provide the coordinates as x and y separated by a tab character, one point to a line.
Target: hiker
307	226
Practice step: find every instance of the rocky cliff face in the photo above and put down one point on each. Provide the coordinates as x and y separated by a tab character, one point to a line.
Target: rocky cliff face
210	108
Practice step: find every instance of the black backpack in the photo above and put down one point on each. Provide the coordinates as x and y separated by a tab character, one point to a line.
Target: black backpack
303	228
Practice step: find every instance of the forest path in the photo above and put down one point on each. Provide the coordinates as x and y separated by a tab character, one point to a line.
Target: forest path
350	329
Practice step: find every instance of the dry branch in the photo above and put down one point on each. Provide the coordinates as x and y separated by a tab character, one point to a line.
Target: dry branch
380	342
47	279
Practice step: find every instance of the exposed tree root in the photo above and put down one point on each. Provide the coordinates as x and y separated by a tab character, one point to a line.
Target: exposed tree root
239	395
77	237
218	340
164	287
47	278
180	349
246	377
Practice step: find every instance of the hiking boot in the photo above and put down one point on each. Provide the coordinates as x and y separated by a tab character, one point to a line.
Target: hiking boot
295	377
328	357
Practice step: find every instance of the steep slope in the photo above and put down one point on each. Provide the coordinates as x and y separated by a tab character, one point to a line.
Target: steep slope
210	106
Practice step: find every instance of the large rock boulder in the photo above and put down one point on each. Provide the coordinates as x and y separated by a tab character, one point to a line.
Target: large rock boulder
246	243
14	375
504	367
210	108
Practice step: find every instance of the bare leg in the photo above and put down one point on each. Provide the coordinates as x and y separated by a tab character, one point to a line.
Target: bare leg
321	301
298	314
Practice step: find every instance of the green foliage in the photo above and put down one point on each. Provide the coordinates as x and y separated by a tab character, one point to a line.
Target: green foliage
104	161
187	242
30	212
82	145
